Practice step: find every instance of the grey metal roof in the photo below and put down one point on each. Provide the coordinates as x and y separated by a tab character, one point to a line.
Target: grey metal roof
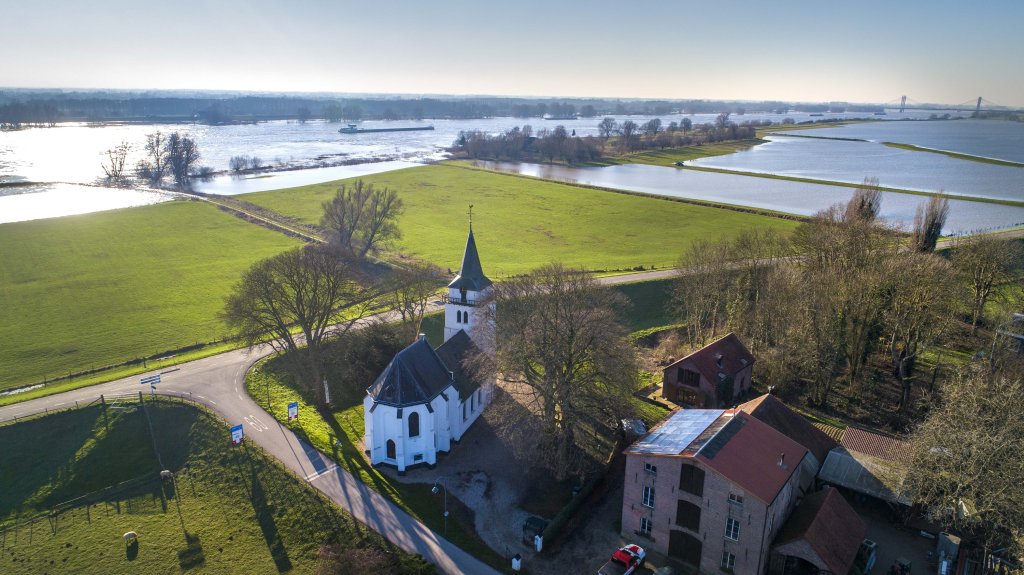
676	434
864	474
471	274
415	375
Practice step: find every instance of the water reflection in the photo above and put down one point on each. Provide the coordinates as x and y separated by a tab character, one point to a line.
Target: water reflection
778	195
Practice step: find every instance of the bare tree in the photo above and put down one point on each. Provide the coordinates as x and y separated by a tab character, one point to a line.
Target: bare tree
985	261
182	155
238	163
967	463
565	362
303	114
115	165
700	292
928	222
412	287
362	219
153	167
920	309
686	124
866	202
630	132
306	288
652	127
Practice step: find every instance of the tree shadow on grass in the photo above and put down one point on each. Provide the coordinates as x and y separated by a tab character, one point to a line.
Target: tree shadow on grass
265	517
192	555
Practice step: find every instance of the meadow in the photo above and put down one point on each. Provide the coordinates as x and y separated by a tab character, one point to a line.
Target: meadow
521	223
83	292
228	509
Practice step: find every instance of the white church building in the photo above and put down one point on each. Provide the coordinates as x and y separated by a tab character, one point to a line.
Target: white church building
424	400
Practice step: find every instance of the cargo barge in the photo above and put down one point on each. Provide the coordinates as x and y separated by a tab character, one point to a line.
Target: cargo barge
352	129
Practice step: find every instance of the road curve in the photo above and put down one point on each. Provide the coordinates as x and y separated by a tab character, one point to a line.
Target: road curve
219	383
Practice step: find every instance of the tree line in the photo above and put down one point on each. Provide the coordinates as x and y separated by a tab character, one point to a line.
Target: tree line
173	155
614	137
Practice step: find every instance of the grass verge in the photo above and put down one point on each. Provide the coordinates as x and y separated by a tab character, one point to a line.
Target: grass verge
955	155
1014	203
229	509
670	156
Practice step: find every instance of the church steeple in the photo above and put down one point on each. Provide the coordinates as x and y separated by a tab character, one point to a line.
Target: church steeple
471	275
468	290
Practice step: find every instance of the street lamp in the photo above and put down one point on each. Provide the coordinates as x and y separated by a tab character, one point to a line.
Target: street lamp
435	490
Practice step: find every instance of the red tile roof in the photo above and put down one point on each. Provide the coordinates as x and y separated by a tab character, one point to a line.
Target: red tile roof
875	444
829	527
775	413
747	451
733	354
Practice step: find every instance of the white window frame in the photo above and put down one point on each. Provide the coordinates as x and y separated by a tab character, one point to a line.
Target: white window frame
645	526
728	561
648	497
736	499
732	529
652	469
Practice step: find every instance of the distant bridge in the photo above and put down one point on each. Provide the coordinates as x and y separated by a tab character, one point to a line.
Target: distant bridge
973	105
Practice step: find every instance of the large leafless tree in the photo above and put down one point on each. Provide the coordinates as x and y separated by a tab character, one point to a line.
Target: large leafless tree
929	219
114	166
967	464
412	286
565	363
362	219
308	290
985	261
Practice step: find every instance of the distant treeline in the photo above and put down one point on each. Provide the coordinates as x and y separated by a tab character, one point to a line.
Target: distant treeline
46	107
559	144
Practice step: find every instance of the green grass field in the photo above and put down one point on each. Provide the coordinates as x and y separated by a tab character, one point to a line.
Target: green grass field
82	292
229	510
670	156
955	155
522	223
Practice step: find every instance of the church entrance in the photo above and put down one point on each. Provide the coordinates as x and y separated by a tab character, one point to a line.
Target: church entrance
391	450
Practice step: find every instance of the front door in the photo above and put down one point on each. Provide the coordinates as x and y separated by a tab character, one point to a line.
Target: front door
391	450
683	546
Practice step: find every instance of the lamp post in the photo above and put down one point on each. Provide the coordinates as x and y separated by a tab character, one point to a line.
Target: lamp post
435	489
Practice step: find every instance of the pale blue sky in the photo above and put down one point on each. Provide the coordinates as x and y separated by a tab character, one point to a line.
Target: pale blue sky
863	51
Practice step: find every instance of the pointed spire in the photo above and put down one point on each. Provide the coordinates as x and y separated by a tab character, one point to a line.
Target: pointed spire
471	274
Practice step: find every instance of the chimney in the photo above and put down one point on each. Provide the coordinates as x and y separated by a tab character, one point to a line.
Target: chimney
782	461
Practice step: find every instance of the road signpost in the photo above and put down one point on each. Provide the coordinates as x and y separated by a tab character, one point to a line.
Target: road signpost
293	410
152	380
236	434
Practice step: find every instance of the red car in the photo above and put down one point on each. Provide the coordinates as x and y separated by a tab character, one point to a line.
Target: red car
626	560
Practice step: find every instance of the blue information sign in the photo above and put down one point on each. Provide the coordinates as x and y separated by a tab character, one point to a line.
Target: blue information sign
293	410
151	380
236	434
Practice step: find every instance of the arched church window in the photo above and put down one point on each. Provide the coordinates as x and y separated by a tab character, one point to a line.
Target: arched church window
390	448
414	424
458	316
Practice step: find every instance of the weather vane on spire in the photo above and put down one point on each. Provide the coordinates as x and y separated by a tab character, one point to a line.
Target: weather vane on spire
471	216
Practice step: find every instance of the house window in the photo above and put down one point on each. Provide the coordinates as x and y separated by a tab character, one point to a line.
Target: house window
648	500
652	469
463	411
465	317
689	378
732	529
414	424
691	480
688	515
728	561
458	316
736	499
645	526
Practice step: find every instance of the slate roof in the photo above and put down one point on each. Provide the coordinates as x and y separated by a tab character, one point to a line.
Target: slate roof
734	356
780	417
471	274
829	527
453	353
415	375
